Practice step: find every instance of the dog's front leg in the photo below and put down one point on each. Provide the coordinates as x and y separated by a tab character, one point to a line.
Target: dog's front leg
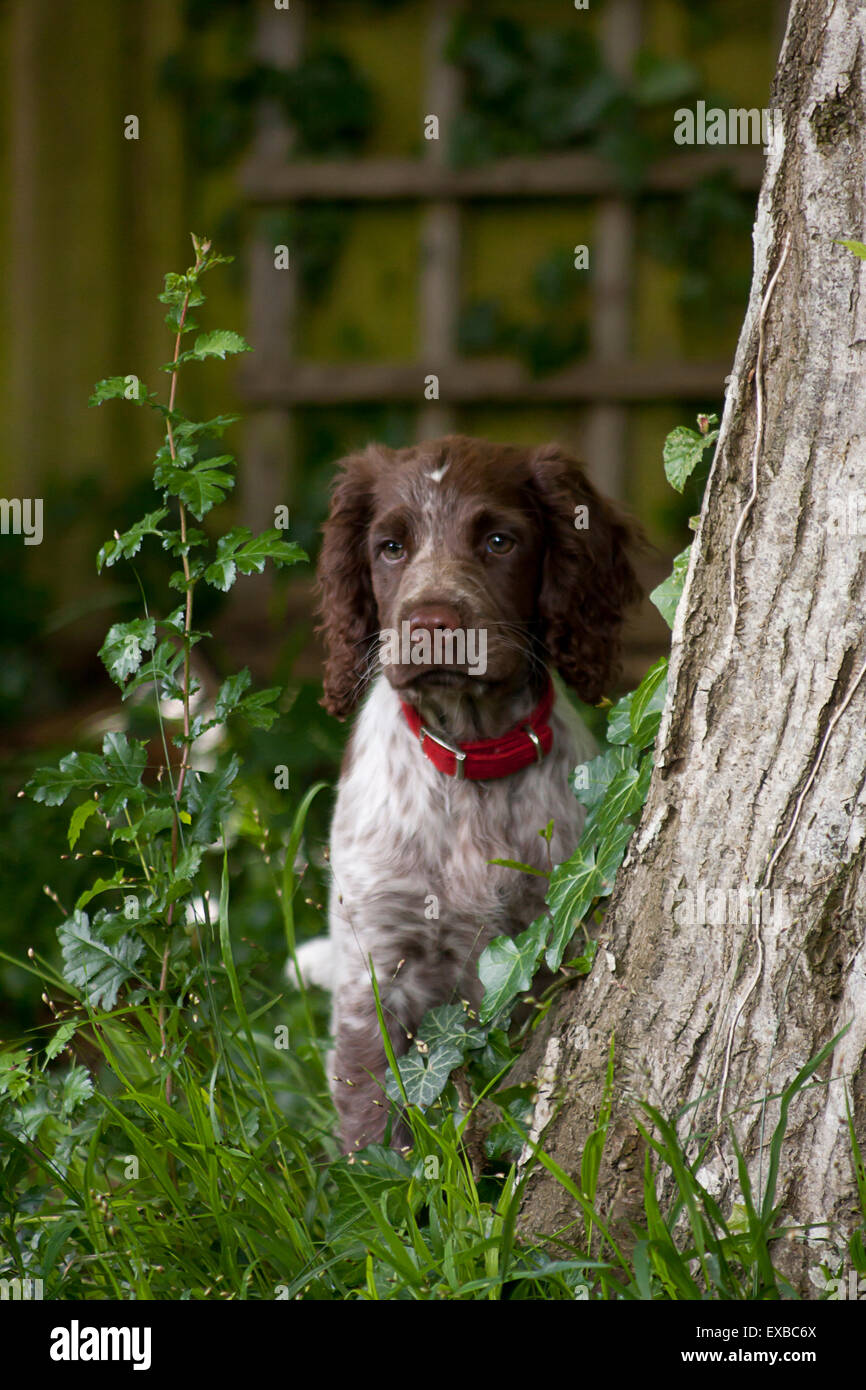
360	1068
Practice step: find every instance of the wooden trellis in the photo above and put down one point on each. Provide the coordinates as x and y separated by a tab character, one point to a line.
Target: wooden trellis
274	383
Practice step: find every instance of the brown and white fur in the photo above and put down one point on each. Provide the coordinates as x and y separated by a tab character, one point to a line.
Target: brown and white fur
454	531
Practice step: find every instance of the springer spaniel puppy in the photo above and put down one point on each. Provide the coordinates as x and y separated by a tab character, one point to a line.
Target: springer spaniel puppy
453	576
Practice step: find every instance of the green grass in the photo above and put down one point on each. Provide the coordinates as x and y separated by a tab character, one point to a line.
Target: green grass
231	1185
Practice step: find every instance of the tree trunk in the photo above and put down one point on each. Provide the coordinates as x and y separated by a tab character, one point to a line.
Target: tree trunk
761	755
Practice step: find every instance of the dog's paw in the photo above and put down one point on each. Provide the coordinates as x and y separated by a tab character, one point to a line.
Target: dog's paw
316	964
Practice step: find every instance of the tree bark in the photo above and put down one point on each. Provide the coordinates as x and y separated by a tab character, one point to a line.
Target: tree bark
761	755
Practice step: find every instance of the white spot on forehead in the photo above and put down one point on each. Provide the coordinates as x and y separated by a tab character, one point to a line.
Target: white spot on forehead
439	473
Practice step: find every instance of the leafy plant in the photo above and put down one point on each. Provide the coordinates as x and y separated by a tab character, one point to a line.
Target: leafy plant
143	979
157	833
684	453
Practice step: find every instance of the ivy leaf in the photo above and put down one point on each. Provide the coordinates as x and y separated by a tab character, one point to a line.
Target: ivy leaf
857	247
441	1045
95	963
122	651
683	451
424	1077
507	966
575	885
646	706
622	799
125	546
445	1030
611	853
590	781
619	720
666	596
496	1055
376	1173
642	785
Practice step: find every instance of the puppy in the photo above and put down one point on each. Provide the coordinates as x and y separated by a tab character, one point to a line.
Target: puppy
454	576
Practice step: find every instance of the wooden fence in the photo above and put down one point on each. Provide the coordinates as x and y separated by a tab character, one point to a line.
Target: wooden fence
274	382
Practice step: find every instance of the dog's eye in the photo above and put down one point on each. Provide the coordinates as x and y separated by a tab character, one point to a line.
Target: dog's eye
392	551
498	544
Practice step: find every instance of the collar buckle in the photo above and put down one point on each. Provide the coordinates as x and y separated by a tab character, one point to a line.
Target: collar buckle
531	734
459	755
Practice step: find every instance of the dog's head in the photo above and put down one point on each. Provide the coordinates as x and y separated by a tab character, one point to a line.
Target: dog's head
464	565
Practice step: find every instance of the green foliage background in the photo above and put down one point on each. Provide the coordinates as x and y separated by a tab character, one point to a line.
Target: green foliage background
96	218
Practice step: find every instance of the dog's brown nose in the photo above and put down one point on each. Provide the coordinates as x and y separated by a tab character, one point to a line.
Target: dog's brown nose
435	617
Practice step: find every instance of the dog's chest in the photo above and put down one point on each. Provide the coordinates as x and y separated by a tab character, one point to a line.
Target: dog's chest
419	844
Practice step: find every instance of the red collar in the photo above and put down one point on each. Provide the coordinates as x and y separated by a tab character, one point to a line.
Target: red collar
526	743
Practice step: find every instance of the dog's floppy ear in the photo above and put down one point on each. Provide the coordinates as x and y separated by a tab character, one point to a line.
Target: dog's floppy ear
587	578
347	608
